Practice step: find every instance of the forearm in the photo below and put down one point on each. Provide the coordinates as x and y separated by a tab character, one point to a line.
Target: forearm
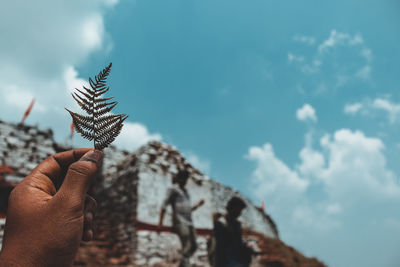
200	203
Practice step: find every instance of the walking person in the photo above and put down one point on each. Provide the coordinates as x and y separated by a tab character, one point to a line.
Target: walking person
182	224
230	249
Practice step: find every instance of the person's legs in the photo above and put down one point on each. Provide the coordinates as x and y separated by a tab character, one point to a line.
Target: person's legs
183	232
193	241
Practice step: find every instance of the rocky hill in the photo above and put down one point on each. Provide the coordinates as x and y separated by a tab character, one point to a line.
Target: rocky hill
129	192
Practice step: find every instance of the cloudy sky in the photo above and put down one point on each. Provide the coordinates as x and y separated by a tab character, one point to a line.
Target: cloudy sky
294	103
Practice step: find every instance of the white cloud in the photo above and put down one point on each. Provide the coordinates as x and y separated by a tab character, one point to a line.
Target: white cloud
72	81
49	36
350	193
364	73
349	172
357	165
44	45
304	39
20	98
92	32
338	38
306	113
294	58
317	217
392	109
352	108
111	2
345	39
372	107
134	135
367	54
338	60
273	175
313	67
341	80
312	162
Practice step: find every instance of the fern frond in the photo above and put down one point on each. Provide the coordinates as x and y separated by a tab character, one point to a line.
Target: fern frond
90	91
88	96
82	121
109	123
102	105
106	109
98	126
101	100
102	91
83	103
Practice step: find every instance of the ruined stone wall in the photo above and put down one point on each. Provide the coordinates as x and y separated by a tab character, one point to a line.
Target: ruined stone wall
23	147
158	162
129	192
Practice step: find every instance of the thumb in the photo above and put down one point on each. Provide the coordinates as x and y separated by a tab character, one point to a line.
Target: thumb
81	174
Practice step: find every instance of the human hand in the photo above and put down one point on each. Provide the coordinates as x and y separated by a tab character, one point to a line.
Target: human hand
159	228
45	224
201	203
198	204
216	216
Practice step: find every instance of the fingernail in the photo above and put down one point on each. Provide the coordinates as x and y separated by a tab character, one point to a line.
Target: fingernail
89	216
89	234
94	156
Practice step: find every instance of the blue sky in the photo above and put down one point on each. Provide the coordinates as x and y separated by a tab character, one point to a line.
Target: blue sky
292	102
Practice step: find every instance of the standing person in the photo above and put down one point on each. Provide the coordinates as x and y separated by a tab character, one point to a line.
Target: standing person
230	250
178	197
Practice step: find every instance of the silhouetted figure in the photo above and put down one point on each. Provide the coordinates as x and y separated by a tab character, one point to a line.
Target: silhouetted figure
179	199
230	250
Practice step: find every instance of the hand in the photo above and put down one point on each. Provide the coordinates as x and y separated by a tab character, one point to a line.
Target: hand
44	226
201	203
159	228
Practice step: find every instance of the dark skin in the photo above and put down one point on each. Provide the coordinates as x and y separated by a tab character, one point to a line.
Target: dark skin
45	226
182	184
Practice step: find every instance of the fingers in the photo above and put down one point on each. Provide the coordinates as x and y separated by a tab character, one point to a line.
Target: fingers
80	175
89	213
48	175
